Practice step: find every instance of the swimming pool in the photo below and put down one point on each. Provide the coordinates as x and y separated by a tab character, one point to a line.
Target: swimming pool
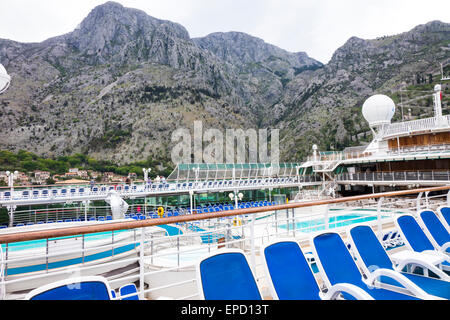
333	222
171	230
37	244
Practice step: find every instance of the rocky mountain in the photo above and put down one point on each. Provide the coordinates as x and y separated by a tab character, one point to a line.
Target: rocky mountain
266	66
119	85
325	108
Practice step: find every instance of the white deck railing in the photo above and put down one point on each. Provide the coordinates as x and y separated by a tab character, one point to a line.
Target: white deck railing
166	266
442	177
416	125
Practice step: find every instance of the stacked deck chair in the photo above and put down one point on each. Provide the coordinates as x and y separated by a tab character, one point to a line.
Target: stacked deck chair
435	230
226	275
416	239
290	276
372	257
336	265
129	292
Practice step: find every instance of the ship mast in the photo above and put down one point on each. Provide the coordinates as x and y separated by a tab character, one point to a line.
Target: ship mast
437	97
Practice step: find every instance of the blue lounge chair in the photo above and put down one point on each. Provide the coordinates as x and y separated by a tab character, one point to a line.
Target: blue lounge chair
128	290
226	275
371	256
82	288
336	265
435	230
416	240
291	277
444	215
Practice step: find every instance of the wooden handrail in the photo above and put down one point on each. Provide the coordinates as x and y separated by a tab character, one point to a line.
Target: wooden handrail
113	226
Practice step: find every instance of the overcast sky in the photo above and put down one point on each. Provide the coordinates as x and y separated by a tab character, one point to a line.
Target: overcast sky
317	27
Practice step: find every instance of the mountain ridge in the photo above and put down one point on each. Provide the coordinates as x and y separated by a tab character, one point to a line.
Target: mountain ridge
117	86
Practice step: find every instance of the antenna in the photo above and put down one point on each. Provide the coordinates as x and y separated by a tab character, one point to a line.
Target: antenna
437	103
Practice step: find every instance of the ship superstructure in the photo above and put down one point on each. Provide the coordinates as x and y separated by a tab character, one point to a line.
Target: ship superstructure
401	155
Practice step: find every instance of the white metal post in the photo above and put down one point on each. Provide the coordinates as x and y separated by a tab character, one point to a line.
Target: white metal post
191	193
252	240
418	202
141	265
380	234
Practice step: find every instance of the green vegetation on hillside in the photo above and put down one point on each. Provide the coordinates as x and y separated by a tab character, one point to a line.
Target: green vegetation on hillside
27	161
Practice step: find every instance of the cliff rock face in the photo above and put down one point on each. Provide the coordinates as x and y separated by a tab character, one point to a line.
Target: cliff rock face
121	82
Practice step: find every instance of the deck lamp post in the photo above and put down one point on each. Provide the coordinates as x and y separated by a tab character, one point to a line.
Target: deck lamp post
11	176
196	171
236	198
146	172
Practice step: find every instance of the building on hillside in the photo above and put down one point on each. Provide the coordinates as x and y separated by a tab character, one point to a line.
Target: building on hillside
132	176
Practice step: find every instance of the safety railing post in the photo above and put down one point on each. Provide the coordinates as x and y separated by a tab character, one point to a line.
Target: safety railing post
112	243
293	222
6	257
46	254
379	226
141	265
287	223
418	202
252	241
82	248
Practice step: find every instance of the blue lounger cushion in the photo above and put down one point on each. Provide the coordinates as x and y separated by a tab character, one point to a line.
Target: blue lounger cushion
91	290
339	267
374	256
435	228
128	289
414	234
445	211
227	276
290	273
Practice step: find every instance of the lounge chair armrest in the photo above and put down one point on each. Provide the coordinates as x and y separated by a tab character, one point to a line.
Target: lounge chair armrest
348	288
424	265
444	247
438	253
405	282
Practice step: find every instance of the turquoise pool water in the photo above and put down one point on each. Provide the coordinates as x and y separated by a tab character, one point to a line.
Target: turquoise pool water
34	244
171	230
333	222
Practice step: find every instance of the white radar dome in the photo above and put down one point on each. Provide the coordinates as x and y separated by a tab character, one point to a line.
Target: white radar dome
5	79
378	110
